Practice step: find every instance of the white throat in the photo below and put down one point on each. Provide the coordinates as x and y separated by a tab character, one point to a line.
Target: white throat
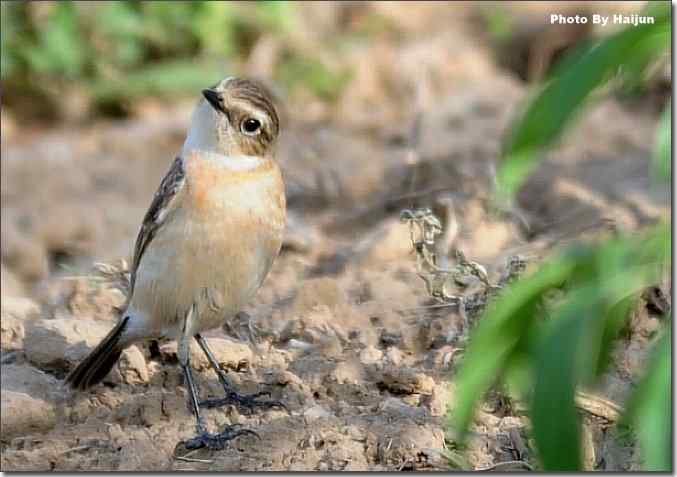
202	139
202	134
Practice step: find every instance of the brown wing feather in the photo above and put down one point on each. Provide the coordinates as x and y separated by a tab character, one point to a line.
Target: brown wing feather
157	212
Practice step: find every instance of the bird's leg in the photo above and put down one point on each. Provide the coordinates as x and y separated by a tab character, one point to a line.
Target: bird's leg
248	402
193	394
204	439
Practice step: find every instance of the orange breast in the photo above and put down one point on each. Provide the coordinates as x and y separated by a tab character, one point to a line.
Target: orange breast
208	180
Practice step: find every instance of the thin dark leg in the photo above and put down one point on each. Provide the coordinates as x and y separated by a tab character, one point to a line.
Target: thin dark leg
212	361
204	438
192	391
232	397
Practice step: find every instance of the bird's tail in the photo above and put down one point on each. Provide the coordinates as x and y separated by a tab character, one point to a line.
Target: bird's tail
99	362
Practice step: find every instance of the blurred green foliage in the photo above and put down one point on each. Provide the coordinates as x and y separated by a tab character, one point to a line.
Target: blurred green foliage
545	349
627	53
650	408
113	52
318	78
660	167
499	21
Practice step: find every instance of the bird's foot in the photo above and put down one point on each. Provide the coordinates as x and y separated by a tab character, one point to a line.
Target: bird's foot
218	441
248	402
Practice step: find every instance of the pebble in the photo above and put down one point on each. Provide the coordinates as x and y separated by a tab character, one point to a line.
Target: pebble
131	368
371	355
51	343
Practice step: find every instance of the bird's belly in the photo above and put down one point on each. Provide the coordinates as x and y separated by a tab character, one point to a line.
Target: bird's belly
214	261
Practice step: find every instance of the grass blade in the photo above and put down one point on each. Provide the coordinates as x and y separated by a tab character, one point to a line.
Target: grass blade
660	159
650	409
500	331
553	411
557	104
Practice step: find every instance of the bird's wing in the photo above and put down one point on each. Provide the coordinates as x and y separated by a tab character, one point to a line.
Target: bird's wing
162	205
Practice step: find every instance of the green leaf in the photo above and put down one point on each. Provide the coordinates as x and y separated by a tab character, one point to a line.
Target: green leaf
497	336
555	421
660	160
614	321
650	409
654	247
579	333
573	349
550	112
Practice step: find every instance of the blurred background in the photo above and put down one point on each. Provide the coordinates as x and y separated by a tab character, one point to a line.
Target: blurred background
386	106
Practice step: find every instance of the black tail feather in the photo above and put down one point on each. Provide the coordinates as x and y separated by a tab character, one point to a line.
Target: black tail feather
100	361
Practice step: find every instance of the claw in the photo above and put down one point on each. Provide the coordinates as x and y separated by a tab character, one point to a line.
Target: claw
218	441
248	402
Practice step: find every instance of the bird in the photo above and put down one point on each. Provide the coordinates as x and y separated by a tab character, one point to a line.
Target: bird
207	242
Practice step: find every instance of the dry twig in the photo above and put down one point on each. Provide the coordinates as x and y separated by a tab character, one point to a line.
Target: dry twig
598	406
189	459
424	229
75	449
507	465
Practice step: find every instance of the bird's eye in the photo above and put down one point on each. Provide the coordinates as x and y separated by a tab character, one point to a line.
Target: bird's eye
250	126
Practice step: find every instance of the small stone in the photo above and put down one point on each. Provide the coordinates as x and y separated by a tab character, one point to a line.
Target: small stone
29	380
11	333
443	358
348	372
22	414
394	355
371	355
316	412
13	312
61	342
131	368
280	377
228	353
406	381
299	345
231	354
20	308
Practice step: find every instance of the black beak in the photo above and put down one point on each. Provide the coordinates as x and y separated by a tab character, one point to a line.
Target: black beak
214	98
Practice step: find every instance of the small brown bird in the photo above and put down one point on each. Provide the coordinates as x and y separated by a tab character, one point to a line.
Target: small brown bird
207	242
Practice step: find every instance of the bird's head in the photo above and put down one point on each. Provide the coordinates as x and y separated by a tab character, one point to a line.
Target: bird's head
236	117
